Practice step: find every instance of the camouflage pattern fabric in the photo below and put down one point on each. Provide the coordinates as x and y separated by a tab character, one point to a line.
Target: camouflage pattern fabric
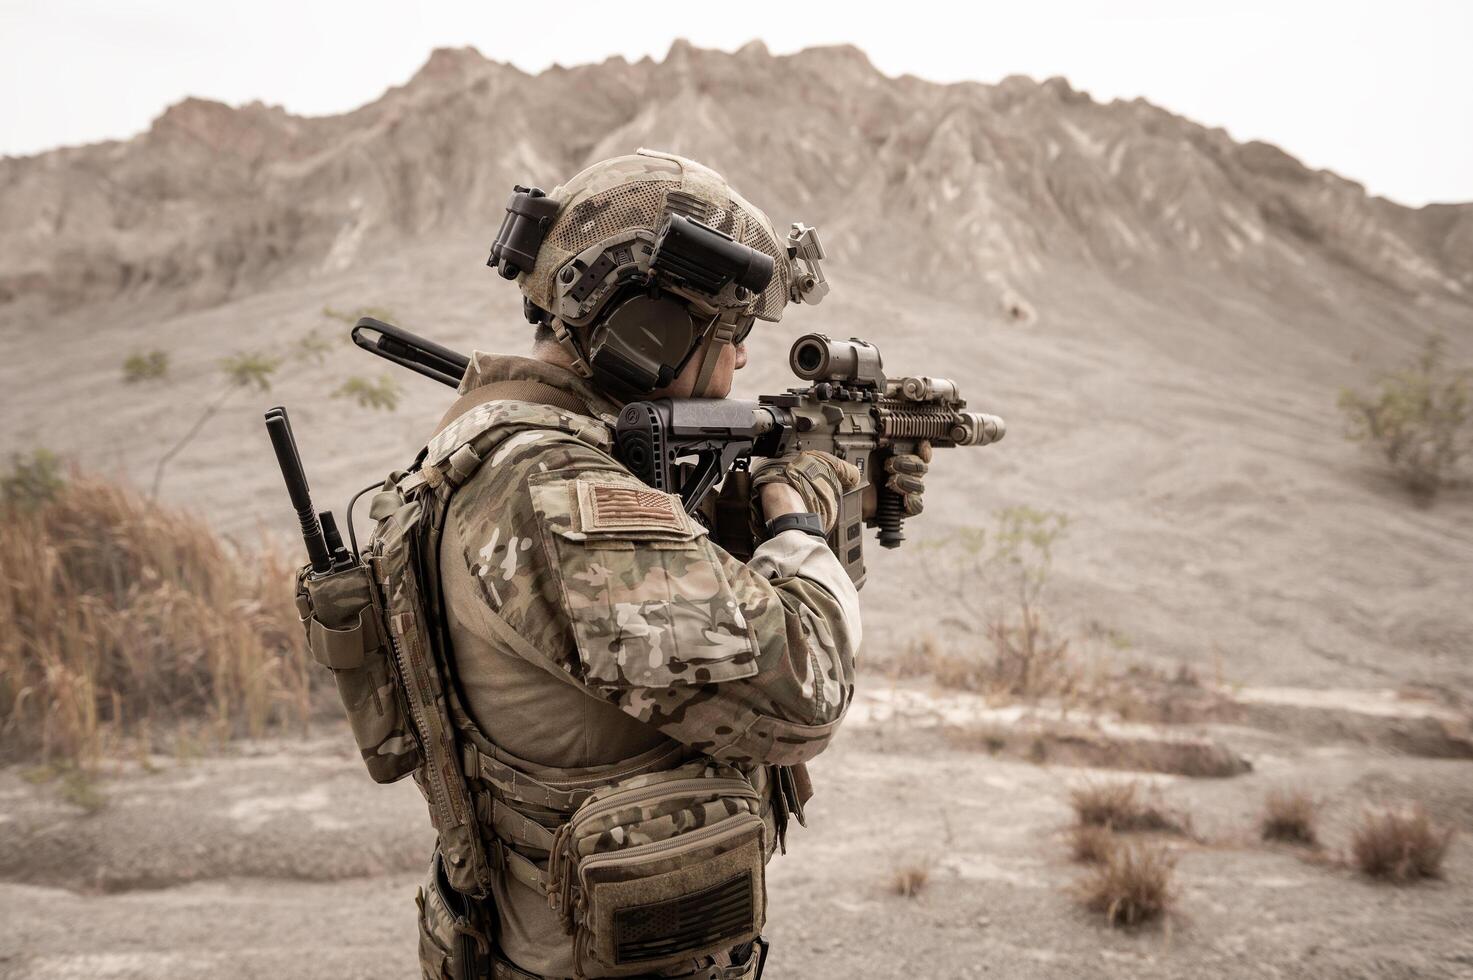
640	633
654	843
338	616
634	826
662	805
446	923
629	192
630	598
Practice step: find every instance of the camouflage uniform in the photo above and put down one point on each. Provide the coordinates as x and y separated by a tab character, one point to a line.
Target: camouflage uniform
644	641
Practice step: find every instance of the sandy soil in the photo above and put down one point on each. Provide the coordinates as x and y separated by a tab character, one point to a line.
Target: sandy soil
282	859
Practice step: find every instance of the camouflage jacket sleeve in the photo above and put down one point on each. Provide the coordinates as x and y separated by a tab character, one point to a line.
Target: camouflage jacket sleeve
618	591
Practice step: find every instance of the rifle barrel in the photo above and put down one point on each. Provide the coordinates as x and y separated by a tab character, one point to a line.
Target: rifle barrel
411	350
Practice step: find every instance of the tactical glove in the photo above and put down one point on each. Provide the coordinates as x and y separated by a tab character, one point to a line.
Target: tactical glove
906	471
819	478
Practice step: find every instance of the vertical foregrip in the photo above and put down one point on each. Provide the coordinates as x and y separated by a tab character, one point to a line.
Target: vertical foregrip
889	516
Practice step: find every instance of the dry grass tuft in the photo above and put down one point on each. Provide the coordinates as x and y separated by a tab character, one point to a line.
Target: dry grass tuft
1028	662
927	658
118	612
1400	844
911	879
1132	886
1124	807
1289	815
1091	843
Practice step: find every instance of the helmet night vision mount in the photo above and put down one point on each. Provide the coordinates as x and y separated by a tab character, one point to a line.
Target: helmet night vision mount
632	309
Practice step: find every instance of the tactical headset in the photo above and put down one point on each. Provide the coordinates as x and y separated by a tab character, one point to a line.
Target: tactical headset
644	303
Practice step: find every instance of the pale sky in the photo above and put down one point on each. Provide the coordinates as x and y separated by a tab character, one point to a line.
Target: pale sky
1381	92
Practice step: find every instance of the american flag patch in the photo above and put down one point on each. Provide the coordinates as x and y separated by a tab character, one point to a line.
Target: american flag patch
619	506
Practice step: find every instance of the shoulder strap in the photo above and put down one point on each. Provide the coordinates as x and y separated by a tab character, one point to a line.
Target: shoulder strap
523	390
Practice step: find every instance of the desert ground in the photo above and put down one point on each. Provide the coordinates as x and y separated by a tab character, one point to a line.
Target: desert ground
1250	544
280	859
1234	573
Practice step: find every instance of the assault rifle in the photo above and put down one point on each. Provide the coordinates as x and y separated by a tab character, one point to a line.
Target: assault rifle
849	408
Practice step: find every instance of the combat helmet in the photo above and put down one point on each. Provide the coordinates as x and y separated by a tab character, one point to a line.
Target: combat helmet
638	261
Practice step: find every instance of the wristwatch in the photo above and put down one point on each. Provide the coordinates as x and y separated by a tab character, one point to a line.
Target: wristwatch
807	523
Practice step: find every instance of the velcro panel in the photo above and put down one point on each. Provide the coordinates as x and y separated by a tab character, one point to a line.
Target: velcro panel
716	914
702	908
622	505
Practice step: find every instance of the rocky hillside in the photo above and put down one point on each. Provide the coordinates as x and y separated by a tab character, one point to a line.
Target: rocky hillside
987	192
1198	305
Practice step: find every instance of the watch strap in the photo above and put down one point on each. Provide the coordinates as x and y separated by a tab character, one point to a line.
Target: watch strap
808	523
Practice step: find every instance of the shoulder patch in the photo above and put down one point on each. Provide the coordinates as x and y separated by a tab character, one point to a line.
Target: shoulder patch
609	505
648	599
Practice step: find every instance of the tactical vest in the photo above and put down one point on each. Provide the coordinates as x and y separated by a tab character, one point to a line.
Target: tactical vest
656	861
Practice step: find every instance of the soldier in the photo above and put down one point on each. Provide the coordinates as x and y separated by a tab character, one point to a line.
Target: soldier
598	637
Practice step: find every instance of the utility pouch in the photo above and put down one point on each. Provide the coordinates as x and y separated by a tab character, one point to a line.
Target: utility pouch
454	936
345	634
660	869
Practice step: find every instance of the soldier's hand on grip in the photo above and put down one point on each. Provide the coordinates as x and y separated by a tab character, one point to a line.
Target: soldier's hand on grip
905	476
820	479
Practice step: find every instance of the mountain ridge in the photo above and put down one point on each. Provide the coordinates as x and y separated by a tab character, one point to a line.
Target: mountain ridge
987	191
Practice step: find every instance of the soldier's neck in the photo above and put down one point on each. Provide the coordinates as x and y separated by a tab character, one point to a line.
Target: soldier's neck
550	352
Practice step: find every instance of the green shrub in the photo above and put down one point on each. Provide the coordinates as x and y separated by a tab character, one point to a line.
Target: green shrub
996	580
33	480
250	369
1419	418
146	366
381	393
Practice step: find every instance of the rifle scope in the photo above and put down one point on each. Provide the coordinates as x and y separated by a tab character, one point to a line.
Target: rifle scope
815	357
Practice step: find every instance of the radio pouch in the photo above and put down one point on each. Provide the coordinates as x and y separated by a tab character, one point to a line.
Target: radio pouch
340	615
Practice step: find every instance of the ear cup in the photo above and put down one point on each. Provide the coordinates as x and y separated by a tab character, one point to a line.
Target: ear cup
644	342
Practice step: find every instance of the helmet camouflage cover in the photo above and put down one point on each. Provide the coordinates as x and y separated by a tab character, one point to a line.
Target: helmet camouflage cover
630	192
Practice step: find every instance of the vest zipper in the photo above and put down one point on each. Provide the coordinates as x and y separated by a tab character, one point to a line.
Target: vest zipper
695	838
439	795
717	785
